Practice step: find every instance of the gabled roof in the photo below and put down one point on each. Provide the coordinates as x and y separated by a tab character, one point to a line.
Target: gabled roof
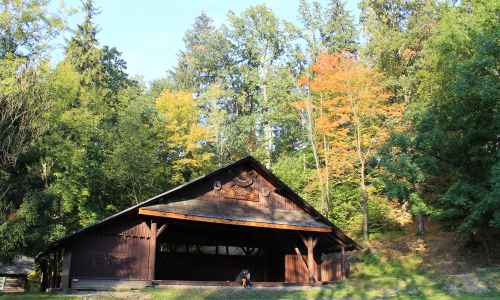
236	212
336	233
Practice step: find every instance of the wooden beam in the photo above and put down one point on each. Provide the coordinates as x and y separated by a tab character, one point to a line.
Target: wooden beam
342	263
152	250
310	243
178	216
299	254
160	231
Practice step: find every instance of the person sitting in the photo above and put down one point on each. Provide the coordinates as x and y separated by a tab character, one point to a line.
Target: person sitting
249	282
244	278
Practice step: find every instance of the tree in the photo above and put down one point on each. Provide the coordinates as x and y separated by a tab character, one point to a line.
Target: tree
25	29
397	31
98	155
357	116
246	61
83	51
456	121
184	143
205	58
327	30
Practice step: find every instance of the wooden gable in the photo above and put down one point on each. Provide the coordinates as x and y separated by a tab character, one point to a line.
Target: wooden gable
239	196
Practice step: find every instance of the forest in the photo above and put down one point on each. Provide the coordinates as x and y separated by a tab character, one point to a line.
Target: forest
396	111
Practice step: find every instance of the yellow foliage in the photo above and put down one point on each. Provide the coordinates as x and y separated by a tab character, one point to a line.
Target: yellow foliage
182	130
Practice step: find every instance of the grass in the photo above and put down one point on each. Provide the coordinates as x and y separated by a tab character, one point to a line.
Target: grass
373	278
402	276
33	296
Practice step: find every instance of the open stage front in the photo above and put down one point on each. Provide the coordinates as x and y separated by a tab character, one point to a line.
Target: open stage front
201	252
240	217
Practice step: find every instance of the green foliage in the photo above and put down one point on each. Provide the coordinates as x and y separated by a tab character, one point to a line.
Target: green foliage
98	154
80	139
327	29
459	123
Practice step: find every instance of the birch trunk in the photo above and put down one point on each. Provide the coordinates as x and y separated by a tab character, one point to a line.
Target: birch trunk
310	135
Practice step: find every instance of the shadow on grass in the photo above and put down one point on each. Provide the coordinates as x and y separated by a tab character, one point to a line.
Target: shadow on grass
375	278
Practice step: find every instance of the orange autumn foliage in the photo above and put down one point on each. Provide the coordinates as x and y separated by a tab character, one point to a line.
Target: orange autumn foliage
352	111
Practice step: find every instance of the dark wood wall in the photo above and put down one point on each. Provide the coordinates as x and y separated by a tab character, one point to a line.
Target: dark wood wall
119	250
295	270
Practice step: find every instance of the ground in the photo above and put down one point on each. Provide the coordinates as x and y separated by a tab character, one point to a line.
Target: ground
397	266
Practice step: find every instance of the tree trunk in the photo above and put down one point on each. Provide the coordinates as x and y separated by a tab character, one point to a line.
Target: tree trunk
364	201
310	135
420	224
327	177
326	201
362	182
268	131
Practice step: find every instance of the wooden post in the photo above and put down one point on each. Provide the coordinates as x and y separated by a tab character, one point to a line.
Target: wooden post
310	243
152	250
66	270
311	263
58	260
52	272
43	267
342	262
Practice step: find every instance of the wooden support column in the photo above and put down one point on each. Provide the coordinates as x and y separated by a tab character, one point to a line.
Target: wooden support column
52	272
310	243
66	270
161	230
45	274
342	263
310	259
57	269
152	250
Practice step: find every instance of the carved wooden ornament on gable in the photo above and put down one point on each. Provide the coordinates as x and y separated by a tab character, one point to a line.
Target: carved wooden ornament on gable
241	187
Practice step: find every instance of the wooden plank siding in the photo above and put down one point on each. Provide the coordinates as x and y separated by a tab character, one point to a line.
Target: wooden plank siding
263	190
329	270
118	251
295	270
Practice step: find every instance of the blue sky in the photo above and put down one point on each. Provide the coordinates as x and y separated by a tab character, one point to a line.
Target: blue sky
149	33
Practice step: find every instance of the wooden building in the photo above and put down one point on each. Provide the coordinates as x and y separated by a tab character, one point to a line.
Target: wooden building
206	231
14	275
